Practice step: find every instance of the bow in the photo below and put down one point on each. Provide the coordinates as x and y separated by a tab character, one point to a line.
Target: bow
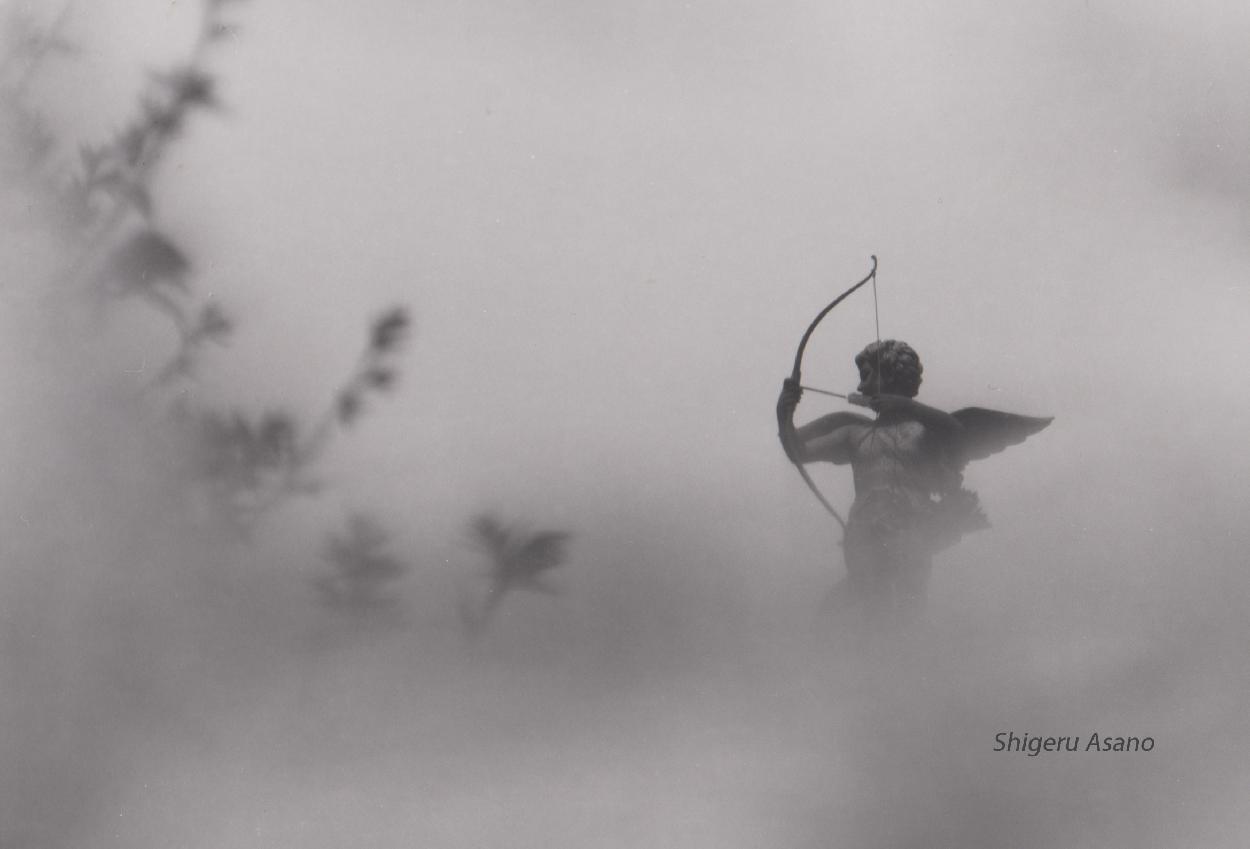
796	374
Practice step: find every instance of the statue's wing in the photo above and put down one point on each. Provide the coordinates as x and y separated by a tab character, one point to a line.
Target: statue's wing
987	432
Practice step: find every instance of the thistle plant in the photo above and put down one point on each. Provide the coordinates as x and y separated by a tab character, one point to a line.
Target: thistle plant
112	637
98	204
361	568
518	559
252	465
97	200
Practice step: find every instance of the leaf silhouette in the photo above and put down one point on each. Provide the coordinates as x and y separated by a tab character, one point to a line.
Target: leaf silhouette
544	550
390	330
148	258
214	323
189	87
348	407
380	378
487	529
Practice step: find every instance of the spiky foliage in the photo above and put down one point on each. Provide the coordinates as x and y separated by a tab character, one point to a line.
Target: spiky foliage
518	559
114	248
254	464
375	372
362	568
99	203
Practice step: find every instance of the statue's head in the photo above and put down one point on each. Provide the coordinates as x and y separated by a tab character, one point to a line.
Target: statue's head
899	367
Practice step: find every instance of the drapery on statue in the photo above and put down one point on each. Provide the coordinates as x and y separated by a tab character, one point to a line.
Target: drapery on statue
908	465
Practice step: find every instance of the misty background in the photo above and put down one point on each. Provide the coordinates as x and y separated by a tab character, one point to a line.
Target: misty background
610	227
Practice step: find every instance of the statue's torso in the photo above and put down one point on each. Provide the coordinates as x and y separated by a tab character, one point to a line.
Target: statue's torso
896	474
892	456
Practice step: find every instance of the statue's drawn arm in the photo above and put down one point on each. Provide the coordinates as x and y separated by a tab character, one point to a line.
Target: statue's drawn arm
830	438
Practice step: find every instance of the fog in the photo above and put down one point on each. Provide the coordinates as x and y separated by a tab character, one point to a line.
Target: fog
610	227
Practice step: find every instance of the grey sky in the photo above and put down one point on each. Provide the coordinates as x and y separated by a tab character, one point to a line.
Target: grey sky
612	223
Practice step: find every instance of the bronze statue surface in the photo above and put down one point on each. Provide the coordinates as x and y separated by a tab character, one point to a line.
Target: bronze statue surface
907	465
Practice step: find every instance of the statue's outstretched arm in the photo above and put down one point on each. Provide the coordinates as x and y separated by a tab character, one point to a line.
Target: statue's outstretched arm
827	438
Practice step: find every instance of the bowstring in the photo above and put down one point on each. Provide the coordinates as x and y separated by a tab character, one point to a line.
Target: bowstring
876	315
876	312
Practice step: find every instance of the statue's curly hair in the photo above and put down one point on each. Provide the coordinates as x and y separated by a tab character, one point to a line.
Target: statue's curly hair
899	364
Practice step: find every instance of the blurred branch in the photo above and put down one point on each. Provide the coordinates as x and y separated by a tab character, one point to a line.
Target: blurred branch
104	214
253	467
112	185
375	373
